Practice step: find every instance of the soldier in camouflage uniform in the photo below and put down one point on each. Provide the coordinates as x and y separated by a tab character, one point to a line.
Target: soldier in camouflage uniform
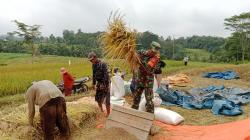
145	76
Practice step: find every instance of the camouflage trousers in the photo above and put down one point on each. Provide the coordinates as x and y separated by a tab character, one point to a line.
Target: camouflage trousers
149	97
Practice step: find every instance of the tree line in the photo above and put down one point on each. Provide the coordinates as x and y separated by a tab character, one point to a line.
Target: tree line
79	44
235	48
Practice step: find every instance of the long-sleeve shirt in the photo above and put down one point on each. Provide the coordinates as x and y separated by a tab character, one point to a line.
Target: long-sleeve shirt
145	68
100	73
68	80
39	94
145	75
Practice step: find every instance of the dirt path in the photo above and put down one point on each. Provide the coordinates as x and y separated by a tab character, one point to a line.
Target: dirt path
95	130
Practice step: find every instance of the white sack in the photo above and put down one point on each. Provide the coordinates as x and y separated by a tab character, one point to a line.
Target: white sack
156	100
117	101
167	116
127	87
155	86
117	86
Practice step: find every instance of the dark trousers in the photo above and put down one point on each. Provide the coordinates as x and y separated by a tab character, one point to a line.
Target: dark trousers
53	114
102	94
133	87
67	91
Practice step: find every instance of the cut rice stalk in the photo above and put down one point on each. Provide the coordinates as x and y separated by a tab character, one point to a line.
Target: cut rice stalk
120	42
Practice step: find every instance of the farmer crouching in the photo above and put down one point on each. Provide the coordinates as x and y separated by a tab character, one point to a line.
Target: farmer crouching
145	76
52	108
100	81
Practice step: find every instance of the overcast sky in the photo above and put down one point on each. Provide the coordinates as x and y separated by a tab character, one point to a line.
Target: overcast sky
163	17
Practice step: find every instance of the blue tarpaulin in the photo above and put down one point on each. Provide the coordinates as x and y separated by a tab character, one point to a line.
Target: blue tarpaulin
221	100
227	75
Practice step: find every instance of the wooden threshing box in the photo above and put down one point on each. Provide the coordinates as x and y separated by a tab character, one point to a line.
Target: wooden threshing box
135	122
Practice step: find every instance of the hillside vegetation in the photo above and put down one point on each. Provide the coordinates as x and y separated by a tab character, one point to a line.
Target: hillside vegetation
198	54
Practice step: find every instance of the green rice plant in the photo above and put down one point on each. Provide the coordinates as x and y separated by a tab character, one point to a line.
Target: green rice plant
17	77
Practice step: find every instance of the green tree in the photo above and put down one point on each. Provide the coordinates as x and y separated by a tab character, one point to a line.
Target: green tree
208	43
52	38
68	36
29	33
240	25
145	39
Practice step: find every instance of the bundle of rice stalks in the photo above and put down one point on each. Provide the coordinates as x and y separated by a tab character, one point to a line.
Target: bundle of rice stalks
120	42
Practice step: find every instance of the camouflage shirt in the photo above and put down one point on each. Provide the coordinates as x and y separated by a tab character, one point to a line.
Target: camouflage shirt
145	68
145	77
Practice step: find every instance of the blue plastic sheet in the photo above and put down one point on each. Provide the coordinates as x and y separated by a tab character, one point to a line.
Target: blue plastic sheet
220	100
227	75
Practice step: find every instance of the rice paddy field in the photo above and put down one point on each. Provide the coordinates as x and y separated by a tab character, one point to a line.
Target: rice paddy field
17	70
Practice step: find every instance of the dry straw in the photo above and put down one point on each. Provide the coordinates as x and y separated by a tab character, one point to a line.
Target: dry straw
119	41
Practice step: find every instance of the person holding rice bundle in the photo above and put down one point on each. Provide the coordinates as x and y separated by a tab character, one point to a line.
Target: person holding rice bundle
145	77
119	42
